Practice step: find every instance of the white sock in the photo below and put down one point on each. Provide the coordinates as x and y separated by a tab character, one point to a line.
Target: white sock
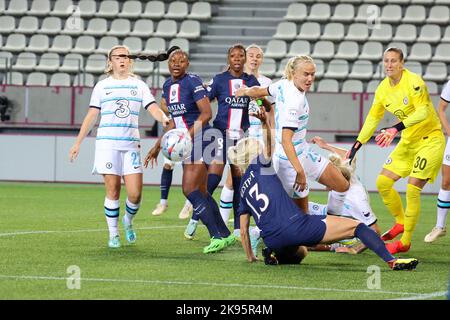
226	203
163	202
131	210
442	209
237	233
112	216
187	203
336	201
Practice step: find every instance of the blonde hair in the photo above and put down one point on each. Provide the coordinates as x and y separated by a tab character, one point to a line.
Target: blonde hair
343	166
293	64
109	68
255	46
244	152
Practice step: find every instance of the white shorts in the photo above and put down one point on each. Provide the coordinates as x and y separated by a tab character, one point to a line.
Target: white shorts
356	206
446	160
313	164
117	162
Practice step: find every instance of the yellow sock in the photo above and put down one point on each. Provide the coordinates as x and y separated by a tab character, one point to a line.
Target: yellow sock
412	212
391	197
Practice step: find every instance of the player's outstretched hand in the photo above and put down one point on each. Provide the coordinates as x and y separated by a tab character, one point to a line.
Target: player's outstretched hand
261	114
152	156
386	136
165	121
300	182
73	153
319	141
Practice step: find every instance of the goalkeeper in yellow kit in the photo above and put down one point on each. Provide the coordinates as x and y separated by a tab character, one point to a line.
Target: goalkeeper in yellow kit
419	152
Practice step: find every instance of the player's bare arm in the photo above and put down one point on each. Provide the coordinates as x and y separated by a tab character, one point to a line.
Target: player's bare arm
442	116
289	149
86	127
245	237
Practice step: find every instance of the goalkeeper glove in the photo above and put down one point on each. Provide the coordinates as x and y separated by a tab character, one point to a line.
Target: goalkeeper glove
351	154
387	135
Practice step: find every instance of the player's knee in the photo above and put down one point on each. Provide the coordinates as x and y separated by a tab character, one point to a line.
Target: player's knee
446	183
384	184
188	188
134	198
168	166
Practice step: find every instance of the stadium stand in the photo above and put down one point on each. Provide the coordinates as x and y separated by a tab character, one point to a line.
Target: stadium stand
339	34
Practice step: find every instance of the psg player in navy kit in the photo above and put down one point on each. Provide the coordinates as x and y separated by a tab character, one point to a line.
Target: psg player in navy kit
189	106
285	228
232	121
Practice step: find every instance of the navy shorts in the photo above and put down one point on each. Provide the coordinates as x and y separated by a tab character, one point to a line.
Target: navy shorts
305	231
199	147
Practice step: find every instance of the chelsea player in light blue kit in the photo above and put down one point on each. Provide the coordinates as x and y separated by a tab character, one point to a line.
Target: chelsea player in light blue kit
285	228
118	99
189	106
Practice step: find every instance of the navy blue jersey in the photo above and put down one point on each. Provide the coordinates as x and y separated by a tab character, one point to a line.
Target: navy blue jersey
232	112
263	196
181	98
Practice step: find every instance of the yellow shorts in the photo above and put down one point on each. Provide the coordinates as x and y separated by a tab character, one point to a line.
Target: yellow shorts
421	160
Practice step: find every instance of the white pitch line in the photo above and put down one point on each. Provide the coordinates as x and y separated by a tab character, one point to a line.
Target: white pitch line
183	283
424	296
78	231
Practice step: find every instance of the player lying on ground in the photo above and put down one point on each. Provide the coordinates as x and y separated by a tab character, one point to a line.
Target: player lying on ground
285	228
356	203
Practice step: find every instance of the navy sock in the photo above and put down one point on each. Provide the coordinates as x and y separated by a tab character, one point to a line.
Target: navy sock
166	182
213	182
373	241
224	231
236	200
203	210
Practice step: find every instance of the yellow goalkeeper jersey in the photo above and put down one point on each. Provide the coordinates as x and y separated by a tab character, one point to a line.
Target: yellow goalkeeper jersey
410	102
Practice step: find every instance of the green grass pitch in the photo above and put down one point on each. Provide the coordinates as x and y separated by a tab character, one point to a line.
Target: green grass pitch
46	228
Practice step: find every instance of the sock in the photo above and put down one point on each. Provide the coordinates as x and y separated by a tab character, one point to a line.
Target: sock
236	201
112	216
391	198
131	210
373	241
412	212
187	203
336	201
226	203
204	212
166	182
213	182
224	231
443	205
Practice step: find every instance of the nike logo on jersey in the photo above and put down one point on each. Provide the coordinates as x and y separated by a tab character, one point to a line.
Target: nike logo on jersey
366	214
108	93
387	106
415	171
137	167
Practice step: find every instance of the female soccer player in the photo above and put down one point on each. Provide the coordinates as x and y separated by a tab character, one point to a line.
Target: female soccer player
118	99
356	203
419	153
255	57
443	203
189	106
293	158
231	123
285	228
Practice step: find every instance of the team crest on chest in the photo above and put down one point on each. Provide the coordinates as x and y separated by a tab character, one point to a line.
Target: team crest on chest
174	93
405	101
